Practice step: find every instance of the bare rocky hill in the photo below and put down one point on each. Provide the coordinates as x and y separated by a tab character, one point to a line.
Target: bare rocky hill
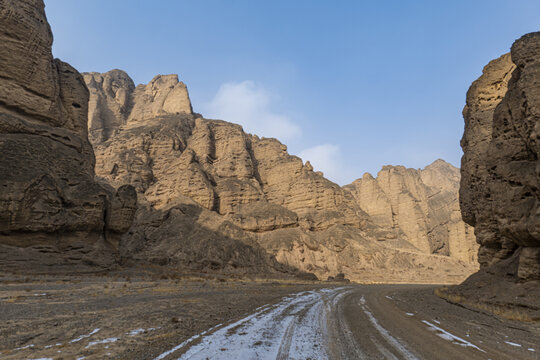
500	179
420	206
53	214
193	173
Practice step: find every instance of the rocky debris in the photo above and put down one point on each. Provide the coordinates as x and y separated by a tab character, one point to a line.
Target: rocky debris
339	278
52	211
499	188
419	206
210	190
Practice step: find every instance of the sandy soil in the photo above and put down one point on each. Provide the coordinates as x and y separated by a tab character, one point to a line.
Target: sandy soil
364	322
140	317
122	316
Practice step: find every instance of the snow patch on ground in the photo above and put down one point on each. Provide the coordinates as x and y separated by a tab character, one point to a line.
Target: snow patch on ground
104	341
294	328
25	347
391	340
84	336
450	337
139	331
409	314
513	343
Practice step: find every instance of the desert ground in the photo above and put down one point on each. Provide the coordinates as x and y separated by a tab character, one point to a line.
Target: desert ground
123	315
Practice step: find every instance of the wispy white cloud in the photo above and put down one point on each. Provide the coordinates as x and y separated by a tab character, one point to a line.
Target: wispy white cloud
250	105
328	159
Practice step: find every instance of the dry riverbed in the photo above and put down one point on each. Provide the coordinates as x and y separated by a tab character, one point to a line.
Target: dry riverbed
171	317
121	316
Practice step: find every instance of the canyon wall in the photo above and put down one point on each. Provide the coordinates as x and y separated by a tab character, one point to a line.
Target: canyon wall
239	187
53	214
419	206
499	191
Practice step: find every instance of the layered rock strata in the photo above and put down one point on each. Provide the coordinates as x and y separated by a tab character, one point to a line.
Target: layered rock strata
211	175
419	206
52	211
500	180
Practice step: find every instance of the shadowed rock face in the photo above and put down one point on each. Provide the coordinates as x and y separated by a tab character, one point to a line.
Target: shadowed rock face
419	206
500	164
50	204
222	184
500	181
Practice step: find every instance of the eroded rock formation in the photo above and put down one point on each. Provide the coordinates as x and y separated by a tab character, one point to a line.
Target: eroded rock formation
500	162
194	173
52	211
419	206
500	180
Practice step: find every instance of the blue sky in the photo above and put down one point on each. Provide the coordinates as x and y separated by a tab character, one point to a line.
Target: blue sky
348	85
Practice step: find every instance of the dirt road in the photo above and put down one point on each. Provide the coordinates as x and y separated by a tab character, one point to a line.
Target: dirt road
364	322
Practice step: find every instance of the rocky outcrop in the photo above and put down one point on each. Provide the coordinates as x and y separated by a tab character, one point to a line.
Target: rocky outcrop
476	203
115	101
419	206
209	178
500	182
500	178
52	211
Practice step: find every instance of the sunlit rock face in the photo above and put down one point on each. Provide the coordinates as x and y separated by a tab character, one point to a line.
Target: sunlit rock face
238	189
52	211
419	206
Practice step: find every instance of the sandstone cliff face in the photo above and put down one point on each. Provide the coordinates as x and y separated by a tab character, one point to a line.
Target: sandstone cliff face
419	206
500	162
51	209
115	101
223	184
500	180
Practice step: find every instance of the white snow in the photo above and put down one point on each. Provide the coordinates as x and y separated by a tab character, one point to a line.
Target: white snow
450	337
84	336
139	331
437	321
25	347
44	294
50	346
531	349
104	341
388	297
513	343
410	314
294	328
391	340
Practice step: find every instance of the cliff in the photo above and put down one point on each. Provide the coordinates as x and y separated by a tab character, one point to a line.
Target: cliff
212	175
53	214
500	182
420	207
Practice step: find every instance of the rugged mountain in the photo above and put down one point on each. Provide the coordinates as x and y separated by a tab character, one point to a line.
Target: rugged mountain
419	206
193	173
500	178
52	211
